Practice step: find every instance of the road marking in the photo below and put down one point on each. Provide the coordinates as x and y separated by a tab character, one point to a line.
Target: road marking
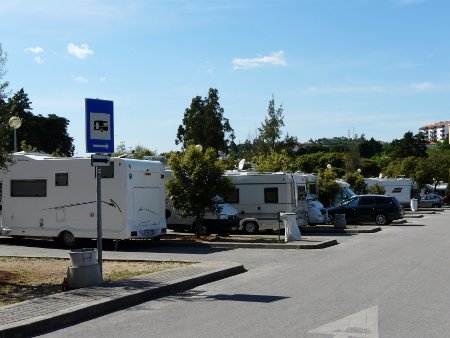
363	324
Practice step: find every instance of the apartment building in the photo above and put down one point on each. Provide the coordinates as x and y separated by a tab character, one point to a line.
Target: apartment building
436	132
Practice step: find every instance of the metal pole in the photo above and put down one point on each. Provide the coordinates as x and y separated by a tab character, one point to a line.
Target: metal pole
99	218
15	140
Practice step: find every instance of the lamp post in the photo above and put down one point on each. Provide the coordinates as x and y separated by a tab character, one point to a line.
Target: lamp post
15	122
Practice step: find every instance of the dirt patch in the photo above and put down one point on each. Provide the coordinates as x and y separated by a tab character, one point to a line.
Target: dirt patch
27	278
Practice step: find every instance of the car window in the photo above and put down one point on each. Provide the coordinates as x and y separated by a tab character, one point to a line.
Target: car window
382	200
350	203
366	200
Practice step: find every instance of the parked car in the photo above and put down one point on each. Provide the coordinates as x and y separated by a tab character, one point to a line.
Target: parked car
317	214
380	209
430	200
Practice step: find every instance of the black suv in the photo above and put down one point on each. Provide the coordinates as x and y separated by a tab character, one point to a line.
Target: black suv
368	208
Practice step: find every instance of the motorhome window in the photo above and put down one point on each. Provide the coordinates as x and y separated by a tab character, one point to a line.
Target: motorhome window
270	195
108	172
62	179
312	188
28	188
397	190
301	192
232	196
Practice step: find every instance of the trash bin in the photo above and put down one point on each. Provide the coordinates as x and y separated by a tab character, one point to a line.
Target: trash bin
339	221
291	229
84	270
414	204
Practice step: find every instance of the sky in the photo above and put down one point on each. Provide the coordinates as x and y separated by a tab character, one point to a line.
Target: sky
338	67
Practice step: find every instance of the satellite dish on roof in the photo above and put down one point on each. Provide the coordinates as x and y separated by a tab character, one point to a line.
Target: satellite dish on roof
241	164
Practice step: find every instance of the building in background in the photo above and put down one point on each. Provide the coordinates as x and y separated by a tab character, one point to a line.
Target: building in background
436	132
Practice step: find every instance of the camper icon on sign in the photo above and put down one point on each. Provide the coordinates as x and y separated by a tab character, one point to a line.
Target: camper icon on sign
101	125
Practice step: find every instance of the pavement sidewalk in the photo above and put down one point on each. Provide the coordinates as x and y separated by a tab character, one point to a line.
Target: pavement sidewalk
63	309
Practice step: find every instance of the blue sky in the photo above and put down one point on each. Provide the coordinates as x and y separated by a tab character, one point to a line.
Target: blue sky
378	67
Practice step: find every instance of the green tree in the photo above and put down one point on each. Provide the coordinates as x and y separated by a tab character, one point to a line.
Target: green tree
356	181
369	148
409	145
328	187
376	189
273	162
204	124
5	114
369	168
47	134
270	130
197	180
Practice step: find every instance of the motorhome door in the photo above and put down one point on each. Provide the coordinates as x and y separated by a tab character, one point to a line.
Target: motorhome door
146	206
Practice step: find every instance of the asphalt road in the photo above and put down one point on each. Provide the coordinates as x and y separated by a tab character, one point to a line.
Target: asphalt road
394	283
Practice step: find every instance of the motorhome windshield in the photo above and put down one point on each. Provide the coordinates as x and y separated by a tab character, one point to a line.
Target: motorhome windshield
350	193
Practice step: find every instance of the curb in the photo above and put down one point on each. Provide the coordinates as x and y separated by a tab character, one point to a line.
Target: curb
246	245
137	291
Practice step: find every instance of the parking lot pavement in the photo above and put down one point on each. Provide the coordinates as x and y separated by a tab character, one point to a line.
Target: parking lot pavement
62	309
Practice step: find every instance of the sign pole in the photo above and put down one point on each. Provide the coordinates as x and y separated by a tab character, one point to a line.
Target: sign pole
99	218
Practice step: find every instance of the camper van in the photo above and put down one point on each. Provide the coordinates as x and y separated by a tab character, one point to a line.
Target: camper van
344	193
260	197
221	222
402	188
46	196
317	213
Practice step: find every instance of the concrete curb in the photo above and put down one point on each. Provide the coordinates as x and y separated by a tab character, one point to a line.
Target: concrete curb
131	292
245	245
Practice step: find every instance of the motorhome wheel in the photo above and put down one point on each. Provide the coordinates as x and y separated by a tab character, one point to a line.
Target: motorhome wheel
68	239
381	219
251	227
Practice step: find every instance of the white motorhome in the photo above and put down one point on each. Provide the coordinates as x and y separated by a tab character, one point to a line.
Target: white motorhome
260	197
401	188
317	213
221	222
46	196
344	193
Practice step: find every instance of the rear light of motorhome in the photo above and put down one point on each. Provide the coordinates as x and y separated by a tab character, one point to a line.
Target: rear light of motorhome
148	174
133	234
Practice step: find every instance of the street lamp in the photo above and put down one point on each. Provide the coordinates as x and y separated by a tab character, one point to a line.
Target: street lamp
15	122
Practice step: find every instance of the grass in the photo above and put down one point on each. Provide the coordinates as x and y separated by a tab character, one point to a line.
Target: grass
27	278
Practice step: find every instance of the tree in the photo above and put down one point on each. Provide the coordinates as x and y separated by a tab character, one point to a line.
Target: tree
204	124
270	130
369	148
356	181
376	189
369	168
197	180
328	187
273	162
47	134
5	114
409	145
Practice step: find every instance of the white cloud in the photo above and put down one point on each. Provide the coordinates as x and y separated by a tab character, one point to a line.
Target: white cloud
81	79
37	51
80	52
38	59
344	89
427	86
276	58
34	50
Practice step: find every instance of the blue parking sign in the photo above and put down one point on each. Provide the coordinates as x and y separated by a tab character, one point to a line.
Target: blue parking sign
99	126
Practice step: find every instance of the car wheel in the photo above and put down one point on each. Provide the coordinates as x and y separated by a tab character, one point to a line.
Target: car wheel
330	219
250	228
381	219
67	239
